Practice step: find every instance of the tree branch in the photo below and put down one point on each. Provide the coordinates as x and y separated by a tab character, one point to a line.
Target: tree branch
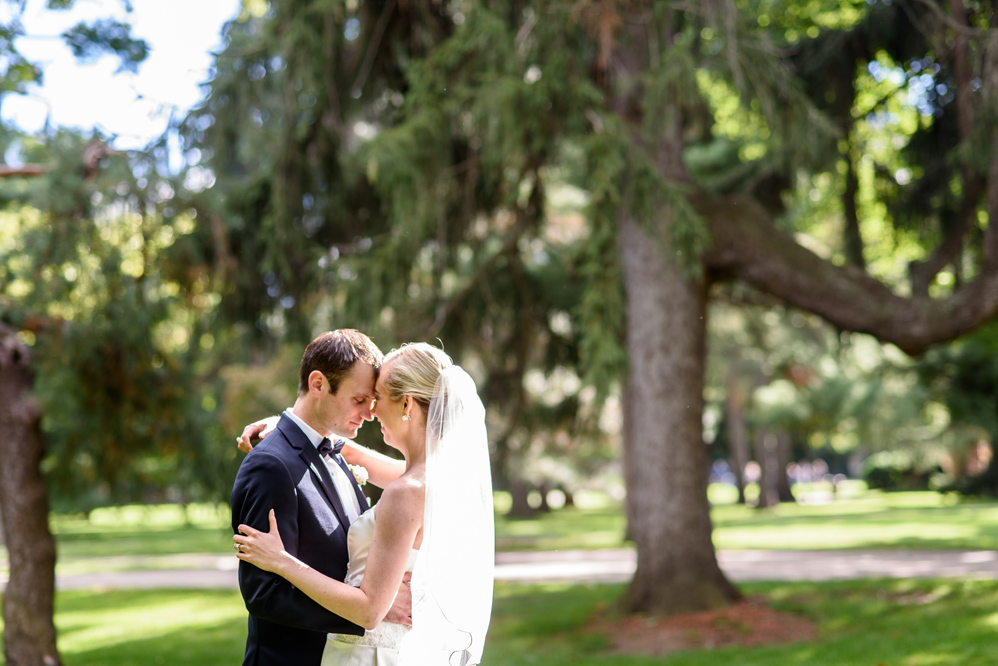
991	232
748	246
948	21
28	170
373	46
961	71
922	273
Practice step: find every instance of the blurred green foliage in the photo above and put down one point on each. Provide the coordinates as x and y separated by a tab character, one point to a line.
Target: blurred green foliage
452	174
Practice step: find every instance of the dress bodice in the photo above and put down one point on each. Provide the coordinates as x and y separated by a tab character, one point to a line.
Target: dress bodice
359	545
386	635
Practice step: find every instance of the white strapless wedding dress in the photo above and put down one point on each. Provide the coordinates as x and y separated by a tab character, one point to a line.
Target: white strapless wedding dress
380	646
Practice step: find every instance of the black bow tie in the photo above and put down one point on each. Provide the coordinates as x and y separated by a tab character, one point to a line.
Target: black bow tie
328	449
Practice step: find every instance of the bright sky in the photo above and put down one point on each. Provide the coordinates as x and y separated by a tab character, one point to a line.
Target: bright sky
181	34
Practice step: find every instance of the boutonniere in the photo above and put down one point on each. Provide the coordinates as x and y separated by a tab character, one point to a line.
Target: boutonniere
359	474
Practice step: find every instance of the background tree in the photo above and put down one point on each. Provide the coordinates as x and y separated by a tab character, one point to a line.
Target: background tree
29	634
336	223
963	377
82	298
417	148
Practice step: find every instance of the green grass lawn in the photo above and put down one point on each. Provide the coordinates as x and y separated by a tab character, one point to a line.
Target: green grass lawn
859	519
872	520
142	628
900	623
166	529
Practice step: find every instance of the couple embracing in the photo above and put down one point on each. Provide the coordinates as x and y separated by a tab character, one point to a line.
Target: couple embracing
328	580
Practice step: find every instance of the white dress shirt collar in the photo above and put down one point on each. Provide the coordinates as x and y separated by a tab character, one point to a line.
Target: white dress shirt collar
313	435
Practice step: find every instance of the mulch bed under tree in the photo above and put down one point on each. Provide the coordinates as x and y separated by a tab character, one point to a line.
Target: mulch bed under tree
747	623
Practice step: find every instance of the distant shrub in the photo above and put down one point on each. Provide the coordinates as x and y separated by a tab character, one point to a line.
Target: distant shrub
895	470
978	485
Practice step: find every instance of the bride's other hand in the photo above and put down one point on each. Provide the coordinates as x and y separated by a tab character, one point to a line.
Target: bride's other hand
263	549
254	432
401	610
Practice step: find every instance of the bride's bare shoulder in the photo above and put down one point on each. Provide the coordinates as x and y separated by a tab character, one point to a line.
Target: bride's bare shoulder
409	490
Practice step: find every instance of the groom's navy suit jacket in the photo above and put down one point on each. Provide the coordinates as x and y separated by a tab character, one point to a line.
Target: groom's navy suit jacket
285	473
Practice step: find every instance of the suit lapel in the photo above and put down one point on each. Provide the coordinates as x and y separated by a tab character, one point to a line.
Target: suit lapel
314	461
361	500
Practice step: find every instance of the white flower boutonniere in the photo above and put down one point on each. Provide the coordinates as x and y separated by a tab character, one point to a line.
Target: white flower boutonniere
359	474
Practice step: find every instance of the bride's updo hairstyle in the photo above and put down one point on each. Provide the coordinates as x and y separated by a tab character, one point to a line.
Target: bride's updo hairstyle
413	369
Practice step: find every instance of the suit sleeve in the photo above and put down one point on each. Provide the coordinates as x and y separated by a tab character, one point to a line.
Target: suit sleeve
263	483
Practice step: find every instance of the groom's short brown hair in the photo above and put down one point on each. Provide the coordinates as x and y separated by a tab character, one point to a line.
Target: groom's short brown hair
333	354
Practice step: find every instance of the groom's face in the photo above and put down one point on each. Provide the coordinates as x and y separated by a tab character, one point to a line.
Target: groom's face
345	411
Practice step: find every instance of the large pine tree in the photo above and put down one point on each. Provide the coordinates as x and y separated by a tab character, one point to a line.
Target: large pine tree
392	163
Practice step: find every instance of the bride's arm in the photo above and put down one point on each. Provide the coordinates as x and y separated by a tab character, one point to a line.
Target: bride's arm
381	469
400	516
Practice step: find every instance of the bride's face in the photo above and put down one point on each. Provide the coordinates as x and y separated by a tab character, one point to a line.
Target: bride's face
389	414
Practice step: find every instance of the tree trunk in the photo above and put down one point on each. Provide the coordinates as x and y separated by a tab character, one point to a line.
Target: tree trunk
784	449
519	491
853	237
627	458
28	603
544	507
666	463
765	455
737	433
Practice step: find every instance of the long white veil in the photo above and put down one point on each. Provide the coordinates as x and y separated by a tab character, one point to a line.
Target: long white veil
453	575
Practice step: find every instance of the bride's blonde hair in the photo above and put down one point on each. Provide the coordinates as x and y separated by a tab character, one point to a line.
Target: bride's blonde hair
413	369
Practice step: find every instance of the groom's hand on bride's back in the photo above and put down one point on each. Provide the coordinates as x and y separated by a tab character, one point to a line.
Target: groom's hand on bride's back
401	610
255	432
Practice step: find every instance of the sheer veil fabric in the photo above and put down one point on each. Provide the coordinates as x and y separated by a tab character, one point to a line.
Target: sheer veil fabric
453	574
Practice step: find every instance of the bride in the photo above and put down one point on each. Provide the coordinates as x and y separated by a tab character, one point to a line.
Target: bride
435	521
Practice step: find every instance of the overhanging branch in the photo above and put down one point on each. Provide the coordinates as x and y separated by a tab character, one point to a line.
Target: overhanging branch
747	245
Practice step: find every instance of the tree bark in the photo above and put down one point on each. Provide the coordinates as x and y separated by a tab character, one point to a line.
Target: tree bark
28	603
667	463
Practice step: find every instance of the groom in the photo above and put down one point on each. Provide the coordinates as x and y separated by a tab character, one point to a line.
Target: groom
314	497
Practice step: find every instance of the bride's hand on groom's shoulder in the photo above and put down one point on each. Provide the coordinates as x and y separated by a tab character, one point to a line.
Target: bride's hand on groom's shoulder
255	432
263	549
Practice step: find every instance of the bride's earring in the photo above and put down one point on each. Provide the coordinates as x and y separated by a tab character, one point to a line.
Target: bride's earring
405	417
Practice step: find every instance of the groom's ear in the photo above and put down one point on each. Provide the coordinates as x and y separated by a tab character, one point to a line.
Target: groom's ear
317	382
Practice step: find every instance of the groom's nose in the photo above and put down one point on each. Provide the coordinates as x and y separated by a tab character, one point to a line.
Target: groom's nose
366	414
